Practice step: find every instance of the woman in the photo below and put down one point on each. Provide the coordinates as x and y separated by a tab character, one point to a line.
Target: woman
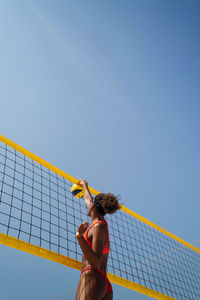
95	244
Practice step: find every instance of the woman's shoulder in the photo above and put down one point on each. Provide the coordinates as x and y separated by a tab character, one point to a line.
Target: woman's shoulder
100	225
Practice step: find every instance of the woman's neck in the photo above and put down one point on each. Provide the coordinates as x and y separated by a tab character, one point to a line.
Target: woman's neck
96	218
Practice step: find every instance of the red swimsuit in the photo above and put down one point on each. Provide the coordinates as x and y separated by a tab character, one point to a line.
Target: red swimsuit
105	251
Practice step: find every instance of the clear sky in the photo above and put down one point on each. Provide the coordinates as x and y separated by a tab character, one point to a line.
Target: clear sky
107	91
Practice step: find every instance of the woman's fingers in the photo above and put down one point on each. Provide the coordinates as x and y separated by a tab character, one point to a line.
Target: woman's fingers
82	228
82	182
85	224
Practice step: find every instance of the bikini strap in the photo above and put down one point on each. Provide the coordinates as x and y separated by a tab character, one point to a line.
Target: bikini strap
99	221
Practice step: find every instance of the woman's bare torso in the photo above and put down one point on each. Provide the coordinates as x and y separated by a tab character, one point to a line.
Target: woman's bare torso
104	257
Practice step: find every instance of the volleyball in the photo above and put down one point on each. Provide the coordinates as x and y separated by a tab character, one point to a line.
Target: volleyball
77	191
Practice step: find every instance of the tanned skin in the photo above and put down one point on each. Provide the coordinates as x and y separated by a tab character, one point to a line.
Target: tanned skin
92	284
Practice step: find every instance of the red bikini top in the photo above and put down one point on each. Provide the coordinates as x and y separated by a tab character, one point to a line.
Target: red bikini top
107	246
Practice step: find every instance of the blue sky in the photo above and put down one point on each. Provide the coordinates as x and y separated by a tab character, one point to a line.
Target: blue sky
108	91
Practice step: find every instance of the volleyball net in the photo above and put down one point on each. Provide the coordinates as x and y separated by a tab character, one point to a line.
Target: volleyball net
39	215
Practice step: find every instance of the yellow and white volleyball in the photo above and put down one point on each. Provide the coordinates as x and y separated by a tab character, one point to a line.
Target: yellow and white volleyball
77	191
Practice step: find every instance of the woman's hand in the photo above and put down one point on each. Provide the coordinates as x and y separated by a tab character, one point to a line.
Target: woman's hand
81	230
82	182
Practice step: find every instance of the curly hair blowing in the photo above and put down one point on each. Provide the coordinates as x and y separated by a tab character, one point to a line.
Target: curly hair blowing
107	203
